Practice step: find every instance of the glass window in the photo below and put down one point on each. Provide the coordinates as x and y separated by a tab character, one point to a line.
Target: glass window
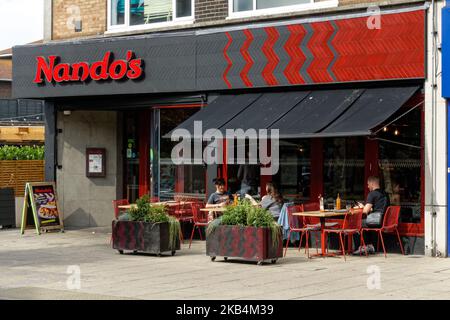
242	5
294	175
400	164
265	4
177	180
117	12
184	8
150	11
132	157
143	12
343	170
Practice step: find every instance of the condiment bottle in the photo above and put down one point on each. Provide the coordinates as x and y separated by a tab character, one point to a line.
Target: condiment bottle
338	202
321	205
235	200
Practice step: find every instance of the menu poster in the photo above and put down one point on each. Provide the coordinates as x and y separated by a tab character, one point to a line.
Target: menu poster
41	197
95	162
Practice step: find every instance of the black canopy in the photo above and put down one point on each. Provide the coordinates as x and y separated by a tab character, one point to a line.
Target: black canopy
302	114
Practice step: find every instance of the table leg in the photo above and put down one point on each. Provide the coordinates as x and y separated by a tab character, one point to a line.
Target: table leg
323	238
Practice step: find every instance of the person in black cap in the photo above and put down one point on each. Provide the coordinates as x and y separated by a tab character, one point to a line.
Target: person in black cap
220	198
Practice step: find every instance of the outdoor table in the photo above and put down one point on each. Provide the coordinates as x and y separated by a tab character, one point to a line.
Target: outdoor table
322	215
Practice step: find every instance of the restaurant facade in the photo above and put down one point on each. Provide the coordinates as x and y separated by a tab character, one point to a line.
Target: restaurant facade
349	90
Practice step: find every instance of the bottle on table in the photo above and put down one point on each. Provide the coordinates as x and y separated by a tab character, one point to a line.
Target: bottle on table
321	204
338	202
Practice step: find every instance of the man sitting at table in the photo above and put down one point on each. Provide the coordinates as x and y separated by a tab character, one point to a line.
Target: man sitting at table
218	199
377	201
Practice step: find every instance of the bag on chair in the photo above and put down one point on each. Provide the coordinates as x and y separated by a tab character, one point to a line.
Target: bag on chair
375	219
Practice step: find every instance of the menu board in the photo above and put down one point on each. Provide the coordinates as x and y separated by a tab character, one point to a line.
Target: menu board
42	199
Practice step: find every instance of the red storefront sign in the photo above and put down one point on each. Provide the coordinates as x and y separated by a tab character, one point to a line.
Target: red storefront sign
53	70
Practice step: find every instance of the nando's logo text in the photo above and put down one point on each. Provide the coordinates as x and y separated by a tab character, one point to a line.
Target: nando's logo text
107	68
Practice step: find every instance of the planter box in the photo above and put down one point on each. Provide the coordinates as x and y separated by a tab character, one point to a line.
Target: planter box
249	243
7	208
142	236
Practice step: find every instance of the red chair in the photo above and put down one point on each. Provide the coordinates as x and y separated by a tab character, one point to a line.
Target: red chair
154	199
116	204
296	224
352	225
390	225
200	219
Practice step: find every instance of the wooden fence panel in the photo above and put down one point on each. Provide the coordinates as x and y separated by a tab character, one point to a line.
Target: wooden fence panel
15	173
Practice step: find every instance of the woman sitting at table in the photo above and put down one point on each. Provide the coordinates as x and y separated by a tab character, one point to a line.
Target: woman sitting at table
273	200
218	199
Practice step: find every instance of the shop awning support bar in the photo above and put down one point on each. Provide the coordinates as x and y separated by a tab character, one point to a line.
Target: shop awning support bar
399	117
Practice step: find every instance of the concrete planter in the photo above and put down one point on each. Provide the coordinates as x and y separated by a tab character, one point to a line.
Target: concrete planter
248	243
143	237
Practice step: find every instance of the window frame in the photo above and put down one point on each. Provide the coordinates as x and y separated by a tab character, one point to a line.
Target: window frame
279	10
126	26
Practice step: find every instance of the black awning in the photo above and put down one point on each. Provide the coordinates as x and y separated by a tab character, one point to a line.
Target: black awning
315	112
372	108
304	114
219	112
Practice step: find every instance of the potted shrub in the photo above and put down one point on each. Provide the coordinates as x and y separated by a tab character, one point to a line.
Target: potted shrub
146	228
245	231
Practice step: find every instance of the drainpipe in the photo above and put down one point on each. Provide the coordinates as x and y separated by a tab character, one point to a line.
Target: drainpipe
446	95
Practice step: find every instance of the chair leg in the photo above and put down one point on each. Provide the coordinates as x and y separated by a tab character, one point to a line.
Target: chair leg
307	243
192	236
287	242
378	243
400	242
342	246
364	243
317	242
382	243
200	233
301	238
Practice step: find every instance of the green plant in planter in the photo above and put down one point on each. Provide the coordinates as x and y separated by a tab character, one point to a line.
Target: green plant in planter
146	212
247	215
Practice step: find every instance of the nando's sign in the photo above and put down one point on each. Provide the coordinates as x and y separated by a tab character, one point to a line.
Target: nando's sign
52	70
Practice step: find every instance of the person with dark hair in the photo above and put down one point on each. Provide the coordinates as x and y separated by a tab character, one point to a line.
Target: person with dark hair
220	198
272	201
376	205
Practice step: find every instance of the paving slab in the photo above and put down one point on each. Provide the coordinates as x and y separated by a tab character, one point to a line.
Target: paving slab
42	267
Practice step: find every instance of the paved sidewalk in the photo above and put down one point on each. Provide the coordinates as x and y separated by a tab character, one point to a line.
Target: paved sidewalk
35	267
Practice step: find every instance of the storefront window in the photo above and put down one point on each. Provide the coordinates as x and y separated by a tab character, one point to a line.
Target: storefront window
343	169
173	180
294	175
117	12
131	158
400	164
142	12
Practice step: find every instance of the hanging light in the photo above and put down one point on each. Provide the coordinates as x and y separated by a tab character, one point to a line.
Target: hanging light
385	129
396	132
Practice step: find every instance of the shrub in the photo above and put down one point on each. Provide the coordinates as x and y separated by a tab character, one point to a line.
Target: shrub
21	153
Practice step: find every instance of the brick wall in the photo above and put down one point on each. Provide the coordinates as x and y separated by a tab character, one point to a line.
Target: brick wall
210	10
91	12
5	90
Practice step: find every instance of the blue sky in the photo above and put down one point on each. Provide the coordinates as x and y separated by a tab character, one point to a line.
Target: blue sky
21	22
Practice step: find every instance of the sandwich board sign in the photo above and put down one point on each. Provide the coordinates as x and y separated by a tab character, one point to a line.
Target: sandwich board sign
41	198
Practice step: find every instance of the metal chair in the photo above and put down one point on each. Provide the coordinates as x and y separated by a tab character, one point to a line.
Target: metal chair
116	204
200	219
390	225
352	225
296	224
